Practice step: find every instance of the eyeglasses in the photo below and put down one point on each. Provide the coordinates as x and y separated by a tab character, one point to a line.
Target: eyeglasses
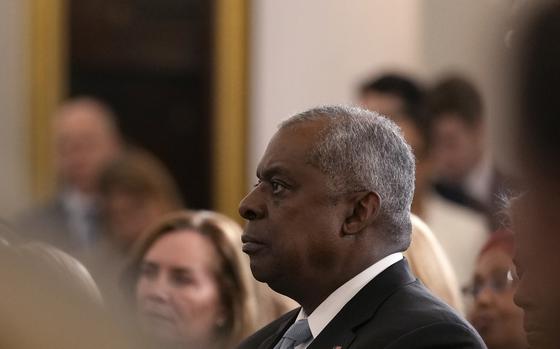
497	283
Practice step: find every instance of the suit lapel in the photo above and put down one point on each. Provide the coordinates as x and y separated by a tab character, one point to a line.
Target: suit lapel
286	321
341	331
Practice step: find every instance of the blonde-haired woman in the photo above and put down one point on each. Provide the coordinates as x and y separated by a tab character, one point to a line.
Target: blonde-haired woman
191	283
431	265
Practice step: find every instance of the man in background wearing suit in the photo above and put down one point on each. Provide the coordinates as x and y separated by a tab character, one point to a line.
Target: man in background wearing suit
86	139
327	223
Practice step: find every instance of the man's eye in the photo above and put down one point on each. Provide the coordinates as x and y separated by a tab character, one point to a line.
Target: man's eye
257	183
277	188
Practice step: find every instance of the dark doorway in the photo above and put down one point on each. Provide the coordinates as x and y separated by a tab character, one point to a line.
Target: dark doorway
151	62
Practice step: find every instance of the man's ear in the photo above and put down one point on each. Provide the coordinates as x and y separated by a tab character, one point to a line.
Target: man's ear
364	210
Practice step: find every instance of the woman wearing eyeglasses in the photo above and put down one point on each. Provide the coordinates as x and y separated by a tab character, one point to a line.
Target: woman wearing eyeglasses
493	313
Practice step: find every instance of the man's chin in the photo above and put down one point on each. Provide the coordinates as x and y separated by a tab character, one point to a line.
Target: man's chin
260	272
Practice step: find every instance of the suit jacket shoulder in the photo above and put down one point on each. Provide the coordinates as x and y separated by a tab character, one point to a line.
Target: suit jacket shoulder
412	318
393	311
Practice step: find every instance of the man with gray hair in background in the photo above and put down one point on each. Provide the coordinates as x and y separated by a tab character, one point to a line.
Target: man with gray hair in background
328	221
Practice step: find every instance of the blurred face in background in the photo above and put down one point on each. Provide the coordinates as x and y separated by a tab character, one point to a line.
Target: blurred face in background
393	107
424	163
128	214
385	104
84	143
177	293
458	147
494	314
536	217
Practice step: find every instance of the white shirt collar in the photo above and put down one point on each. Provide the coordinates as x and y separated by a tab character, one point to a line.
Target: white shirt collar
332	305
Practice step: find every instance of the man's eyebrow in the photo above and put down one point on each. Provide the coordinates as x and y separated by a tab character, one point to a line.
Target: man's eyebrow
271	171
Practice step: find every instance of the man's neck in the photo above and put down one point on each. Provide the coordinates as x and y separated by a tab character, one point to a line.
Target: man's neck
337	300
316	291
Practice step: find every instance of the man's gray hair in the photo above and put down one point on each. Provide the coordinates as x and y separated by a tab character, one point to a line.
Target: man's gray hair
362	150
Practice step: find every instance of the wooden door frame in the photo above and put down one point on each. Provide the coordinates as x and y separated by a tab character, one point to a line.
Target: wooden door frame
48	76
230	96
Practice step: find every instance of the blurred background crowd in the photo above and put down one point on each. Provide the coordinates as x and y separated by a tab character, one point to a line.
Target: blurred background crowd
131	130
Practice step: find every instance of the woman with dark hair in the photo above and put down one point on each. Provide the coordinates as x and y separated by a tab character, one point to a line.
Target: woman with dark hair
135	191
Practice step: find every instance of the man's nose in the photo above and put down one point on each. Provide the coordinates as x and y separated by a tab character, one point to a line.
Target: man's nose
251	207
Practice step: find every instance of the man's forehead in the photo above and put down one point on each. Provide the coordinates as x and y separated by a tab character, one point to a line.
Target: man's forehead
289	147
294	139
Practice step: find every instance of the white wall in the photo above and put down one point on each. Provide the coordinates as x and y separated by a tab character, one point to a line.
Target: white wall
303	54
14	184
468	36
313	52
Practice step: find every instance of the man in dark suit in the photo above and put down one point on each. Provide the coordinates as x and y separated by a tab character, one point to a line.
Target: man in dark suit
86	139
327	223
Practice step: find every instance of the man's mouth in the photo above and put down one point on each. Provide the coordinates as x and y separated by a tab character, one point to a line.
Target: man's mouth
251	245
